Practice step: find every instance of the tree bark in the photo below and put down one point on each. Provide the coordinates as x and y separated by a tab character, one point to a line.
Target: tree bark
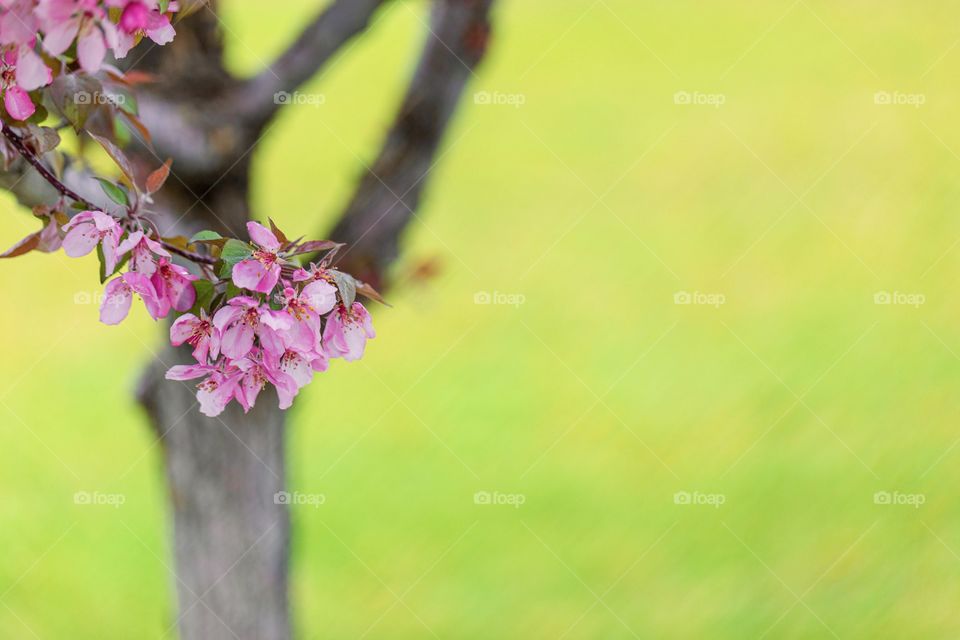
231	531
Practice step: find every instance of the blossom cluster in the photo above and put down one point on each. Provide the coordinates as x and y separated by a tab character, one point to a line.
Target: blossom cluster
281	326
37	36
252	315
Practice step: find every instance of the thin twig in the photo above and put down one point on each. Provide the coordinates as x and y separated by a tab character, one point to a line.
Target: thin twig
67	192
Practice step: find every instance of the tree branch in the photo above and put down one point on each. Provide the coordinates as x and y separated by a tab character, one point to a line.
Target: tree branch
31	158
254	100
391	189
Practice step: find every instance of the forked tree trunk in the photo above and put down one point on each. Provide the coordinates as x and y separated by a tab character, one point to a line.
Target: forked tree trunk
231	536
230	531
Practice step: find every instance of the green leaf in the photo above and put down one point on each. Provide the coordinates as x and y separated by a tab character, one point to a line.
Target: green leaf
104	276
114	192
163	5
233	251
122	132
103	264
346	285
205	292
204	236
127	102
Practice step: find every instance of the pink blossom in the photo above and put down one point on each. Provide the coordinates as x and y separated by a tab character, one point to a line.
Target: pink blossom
241	320
119	294
144	252
261	271
173	285
198	333
17	22
255	377
50	239
221	385
346	333
313	273
305	309
142	17
298	365
64	21
18	104
21	70
89	228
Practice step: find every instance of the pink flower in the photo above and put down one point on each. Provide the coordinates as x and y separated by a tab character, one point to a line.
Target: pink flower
241	320
18	104
198	333
313	273
305	309
21	70
17	22
346	333
214	393
298	365
142	17
255	377
119	294
89	228
172	283
261	271
145	250
63	21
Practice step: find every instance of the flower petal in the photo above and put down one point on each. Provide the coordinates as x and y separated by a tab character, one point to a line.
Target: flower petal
80	240
59	37
116	302
262	236
182	329
91	49
18	103
248	273
31	72
237	340
320	295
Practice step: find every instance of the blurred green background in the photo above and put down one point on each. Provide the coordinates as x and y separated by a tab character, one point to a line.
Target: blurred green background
598	398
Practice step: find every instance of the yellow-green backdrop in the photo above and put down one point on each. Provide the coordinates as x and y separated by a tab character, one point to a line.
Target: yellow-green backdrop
775	459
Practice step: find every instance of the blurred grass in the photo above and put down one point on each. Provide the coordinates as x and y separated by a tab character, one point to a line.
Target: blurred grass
598	398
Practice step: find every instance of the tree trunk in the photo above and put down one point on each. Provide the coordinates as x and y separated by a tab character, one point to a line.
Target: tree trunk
231	530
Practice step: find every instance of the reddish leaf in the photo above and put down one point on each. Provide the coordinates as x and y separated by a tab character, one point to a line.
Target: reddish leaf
26	245
281	236
139	126
366	290
156	179
134	77
116	154
316	245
